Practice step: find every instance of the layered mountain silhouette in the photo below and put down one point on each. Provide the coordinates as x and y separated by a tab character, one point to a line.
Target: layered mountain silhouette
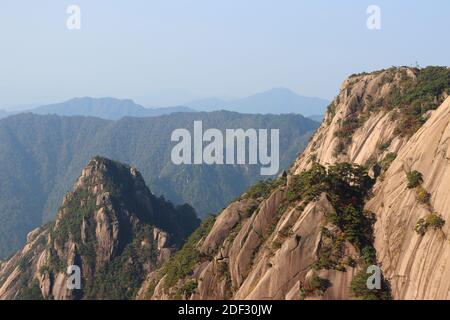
274	101
3	114
104	108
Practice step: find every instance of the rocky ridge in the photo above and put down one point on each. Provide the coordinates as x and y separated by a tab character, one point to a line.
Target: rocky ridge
110	226
342	206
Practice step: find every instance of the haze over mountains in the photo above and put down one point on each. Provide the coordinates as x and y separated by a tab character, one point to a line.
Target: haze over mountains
104	108
275	101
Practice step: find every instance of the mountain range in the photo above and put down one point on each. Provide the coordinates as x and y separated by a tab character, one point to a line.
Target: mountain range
275	101
41	156
104	108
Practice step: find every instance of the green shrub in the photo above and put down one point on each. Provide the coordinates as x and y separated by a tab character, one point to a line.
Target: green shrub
369	254
330	252
415	97
308	185
412	98
347	187
421	227
184	261
359	287
31	292
422	195
414	179
387	161
345	133
320	285
331	112
188	288
347	128
433	220
81	205
262	189
223	269
121	277
276	245
350	262
340	147
150	289
384	146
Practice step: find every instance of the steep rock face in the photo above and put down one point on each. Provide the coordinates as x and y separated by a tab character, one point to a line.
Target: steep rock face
261	248
280	260
282	273
416	265
355	127
110	226
312	234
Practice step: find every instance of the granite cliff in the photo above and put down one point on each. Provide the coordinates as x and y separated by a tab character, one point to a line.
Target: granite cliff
370	189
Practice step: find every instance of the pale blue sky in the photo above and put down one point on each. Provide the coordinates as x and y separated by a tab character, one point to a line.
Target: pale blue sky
167	51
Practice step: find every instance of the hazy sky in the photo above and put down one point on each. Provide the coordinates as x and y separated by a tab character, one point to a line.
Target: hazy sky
168	51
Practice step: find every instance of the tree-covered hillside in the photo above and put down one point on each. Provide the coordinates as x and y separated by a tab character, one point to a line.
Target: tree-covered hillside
40	157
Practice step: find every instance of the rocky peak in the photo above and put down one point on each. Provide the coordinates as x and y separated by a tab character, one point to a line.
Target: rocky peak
110	226
375	114
100	171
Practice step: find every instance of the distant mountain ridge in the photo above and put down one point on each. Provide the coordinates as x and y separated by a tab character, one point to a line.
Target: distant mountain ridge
273	101
104	108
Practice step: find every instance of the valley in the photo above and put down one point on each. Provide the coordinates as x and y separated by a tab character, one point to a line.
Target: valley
42	155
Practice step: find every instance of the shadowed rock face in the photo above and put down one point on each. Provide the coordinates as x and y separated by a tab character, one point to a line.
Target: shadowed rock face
270	247
111	226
